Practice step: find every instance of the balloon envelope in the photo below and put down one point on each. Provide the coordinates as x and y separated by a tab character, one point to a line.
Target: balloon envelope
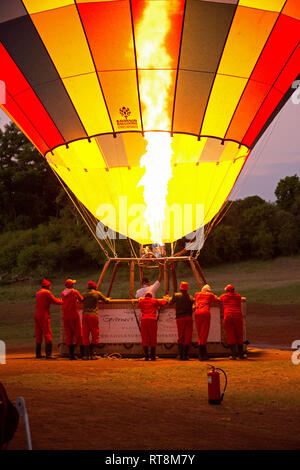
75	75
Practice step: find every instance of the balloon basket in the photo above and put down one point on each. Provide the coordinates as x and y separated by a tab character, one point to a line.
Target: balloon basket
119	320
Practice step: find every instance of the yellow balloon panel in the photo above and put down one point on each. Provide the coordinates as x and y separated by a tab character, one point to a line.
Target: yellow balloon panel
85	91
222	105
114	196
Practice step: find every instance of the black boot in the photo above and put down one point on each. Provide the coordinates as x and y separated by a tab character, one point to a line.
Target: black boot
153	354
202	353
92	353
38	351
233	352
85	353
186	352
71	353
48	349
81	353
180	350
146	353
205	353
241	354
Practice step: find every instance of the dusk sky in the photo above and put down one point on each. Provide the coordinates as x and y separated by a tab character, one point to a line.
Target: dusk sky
276	155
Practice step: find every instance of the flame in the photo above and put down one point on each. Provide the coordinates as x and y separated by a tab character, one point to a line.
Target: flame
151	33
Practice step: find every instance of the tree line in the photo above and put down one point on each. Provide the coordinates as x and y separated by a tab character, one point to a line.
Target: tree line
41	232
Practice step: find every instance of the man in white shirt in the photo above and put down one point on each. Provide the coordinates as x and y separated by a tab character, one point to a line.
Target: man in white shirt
146	287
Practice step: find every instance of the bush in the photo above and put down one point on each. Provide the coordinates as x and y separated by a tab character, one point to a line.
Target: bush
47	249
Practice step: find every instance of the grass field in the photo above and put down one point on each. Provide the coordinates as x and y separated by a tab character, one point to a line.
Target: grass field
129	404
268	282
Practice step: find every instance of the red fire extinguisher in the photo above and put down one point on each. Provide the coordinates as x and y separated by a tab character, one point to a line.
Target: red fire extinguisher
215	396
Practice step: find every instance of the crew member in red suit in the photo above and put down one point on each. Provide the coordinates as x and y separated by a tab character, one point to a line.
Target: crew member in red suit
148	306
90	321
203	302
44	298
233	321
184	319
71	318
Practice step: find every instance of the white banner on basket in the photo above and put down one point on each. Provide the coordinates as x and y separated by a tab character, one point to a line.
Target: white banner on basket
120	325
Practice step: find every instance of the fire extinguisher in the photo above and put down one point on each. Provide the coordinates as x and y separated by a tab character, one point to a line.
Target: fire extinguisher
215	396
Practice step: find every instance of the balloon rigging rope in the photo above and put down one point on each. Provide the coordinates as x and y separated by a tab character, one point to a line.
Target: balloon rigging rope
211	223
94	223
209	192
226	207
85	220
133	253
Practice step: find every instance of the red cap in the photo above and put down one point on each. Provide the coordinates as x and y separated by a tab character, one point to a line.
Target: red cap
184	286
46	283
70	282
229	288
92	285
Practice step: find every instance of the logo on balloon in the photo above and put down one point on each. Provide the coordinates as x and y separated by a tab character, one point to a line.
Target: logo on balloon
125	112
126	123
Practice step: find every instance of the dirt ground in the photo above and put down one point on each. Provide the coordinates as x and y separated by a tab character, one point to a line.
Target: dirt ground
122	404
129	404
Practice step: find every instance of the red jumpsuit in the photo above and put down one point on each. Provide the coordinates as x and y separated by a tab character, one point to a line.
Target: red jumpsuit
148	307
71	318
203	301
233	317
44	298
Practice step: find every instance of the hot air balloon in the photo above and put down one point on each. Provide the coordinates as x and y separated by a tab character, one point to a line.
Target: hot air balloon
142	107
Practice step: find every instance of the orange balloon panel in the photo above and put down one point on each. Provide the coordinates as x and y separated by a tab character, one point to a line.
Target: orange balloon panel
92	82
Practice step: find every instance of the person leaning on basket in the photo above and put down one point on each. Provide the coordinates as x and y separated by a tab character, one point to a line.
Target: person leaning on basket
233	321
203	300
90	321
148	306
184	319
71	319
